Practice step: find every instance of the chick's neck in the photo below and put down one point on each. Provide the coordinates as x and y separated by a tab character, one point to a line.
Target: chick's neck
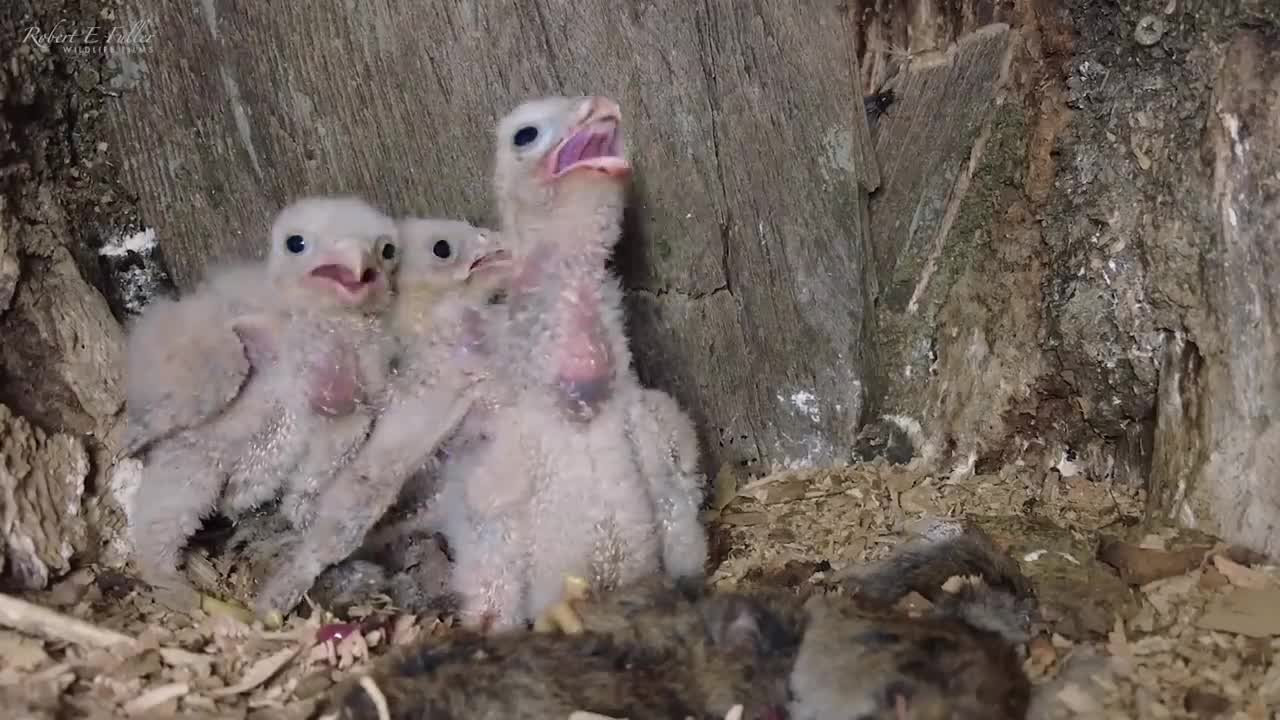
571	234
427	313
559	287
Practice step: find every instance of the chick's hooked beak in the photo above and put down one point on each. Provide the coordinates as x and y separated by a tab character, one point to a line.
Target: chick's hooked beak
595	142
349	270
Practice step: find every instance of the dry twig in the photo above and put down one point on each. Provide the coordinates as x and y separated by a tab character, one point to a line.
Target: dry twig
36	620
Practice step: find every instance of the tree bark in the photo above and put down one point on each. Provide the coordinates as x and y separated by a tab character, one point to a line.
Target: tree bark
929	152
1217	454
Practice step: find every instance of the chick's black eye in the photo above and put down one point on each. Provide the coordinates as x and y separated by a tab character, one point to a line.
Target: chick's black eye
442	249
388	252
295	244
525	135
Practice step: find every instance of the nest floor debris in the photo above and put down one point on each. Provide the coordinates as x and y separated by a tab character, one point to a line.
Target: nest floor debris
1175	626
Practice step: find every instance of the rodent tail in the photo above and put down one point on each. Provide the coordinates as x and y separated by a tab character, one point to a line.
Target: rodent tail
961	570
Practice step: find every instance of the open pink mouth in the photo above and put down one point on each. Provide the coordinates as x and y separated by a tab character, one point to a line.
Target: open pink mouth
495	259
596	145
345	278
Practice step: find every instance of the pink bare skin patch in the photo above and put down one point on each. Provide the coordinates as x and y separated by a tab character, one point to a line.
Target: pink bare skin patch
584	364
333	382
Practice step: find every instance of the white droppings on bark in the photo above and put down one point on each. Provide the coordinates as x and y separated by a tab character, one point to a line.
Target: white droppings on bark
141	242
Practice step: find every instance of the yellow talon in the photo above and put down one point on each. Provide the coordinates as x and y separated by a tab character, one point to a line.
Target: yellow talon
561	615
214	606
273	620
575	588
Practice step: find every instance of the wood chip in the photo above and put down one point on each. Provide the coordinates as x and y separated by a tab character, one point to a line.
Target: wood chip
744	519
783	492
155	697
1251	613
1139	565
1241	576
1079	701
260	672
1211	579
35	620
177	657
19	652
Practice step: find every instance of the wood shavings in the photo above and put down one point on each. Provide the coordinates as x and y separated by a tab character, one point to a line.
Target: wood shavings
1241	576
260	672
36	620
155	697
1244	611
584	715
177	657
226	627
745	519
804	540
1080	702
18	652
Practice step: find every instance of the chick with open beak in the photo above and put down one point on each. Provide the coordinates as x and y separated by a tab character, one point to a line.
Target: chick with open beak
559	157
348	270
595	142
556	487
332	256
444	274
560	178
262	381
334	251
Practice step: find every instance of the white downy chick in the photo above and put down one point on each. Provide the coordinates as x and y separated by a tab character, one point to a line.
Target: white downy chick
256	381
444	276
559	490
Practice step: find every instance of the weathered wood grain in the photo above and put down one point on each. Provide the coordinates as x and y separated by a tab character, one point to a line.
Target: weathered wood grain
923	144
926	148
748	229
891	32
1217	445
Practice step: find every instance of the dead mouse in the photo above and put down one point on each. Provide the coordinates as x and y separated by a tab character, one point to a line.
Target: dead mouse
664	649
